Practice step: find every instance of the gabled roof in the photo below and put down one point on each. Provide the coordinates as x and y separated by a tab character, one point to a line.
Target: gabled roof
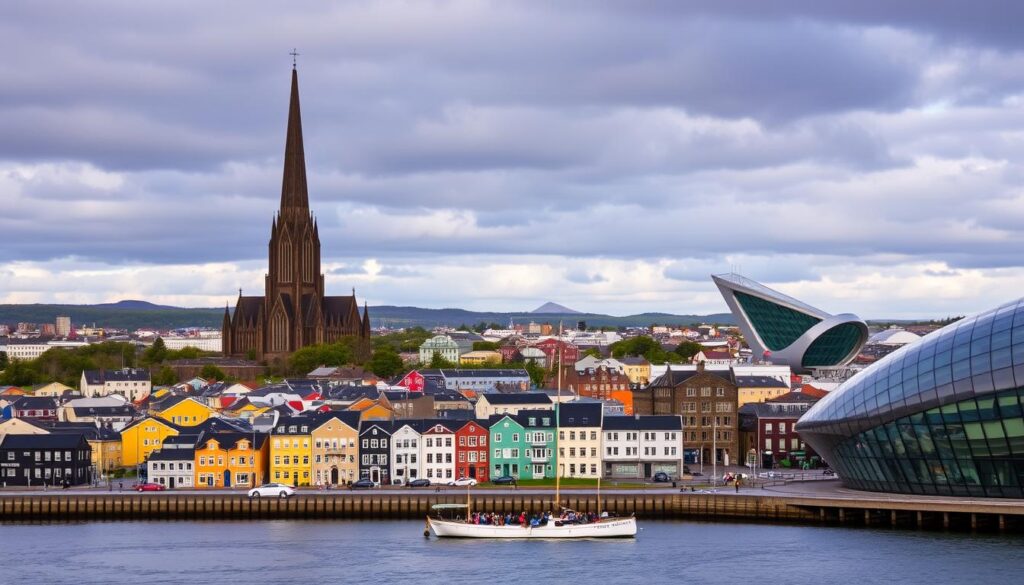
517	398
35	403
50	441
162	421
96	377
576	414
661	422
759	382
173	455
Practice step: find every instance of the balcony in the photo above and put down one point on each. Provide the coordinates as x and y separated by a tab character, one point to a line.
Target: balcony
538	442
539	456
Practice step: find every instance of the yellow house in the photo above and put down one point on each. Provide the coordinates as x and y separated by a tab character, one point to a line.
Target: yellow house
335	448
53	390
245	409
758	389
182	410
480	357
291	450
142	437
106	451
637	369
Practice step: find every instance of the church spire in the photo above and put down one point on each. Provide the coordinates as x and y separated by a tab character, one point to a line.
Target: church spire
294	197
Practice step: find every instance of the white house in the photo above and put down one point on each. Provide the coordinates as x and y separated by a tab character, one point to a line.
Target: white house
406	453
639	446
439	453
488	405
132	383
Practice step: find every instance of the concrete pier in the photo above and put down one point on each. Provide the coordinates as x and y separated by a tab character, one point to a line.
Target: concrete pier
881	512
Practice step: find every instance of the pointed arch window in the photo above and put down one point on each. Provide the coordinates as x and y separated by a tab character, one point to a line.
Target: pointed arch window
279	332
307	261
285	260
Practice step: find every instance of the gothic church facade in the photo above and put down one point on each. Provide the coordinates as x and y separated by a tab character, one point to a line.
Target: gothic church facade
293	311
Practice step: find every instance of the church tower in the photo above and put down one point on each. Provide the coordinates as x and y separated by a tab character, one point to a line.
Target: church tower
294	312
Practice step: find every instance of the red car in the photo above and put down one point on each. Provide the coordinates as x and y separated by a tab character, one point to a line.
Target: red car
149	487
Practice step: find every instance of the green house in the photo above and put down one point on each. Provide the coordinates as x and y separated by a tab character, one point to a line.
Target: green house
523	445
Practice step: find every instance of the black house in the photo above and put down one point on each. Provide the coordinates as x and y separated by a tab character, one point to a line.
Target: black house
27	460
375	451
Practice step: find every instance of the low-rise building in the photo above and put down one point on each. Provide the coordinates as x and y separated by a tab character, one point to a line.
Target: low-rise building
579	439
472	451
375	451
32	407
444	346
758	389
488	405
637	447
51	459
480	357
336	448
769	428
172	468
132	383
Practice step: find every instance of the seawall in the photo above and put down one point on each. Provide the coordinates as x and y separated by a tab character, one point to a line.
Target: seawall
944	515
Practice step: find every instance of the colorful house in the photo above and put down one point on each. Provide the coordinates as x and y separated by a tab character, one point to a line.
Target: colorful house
375	451
579	439
471	451
336	448
231	460
140	438
291	450
182	410
508	457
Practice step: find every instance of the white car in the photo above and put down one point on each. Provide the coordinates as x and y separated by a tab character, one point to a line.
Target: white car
272	490
463	482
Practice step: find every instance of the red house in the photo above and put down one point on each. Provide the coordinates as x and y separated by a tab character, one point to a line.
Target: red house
413	382
550	347
471	451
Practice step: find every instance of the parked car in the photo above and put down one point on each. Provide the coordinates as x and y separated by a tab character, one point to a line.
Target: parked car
421	482
463	482
272	490
149	487
362	484
504	480
661	477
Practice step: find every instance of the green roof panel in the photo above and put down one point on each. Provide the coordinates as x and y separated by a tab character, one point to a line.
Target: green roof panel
776	325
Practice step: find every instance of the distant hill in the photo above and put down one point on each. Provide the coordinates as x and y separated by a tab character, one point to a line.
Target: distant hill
136	305
553	308
133	315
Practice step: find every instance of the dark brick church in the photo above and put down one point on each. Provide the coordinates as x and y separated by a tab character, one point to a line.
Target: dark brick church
294	312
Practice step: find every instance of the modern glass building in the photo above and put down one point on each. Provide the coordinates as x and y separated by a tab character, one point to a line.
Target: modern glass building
789	331
941	416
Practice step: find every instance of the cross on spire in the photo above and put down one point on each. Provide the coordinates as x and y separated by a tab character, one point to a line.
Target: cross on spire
294	55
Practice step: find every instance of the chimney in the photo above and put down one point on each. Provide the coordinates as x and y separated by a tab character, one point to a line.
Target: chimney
700	366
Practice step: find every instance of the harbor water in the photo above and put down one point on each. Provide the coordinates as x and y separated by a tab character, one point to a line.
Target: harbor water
396	552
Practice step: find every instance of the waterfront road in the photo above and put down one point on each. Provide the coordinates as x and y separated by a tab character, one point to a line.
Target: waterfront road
794	490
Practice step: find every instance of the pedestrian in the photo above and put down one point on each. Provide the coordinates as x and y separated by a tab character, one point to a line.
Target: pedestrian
120	486
737	484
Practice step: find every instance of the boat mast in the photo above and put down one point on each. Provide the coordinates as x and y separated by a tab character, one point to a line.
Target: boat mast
558	415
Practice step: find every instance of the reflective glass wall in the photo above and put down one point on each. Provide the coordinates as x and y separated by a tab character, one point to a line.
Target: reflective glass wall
974	447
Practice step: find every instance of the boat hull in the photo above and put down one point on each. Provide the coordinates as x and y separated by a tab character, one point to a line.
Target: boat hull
610	528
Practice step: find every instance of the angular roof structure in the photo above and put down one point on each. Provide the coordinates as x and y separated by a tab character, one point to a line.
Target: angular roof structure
789	331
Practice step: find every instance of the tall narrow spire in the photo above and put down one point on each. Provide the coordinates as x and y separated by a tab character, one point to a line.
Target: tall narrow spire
294	197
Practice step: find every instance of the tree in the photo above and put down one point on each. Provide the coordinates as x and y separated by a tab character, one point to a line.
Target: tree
687	349
156	353
646	347
3	360
593	352
485	346
385	362
165	377
341	353
19	373
537	373
211	372
438	361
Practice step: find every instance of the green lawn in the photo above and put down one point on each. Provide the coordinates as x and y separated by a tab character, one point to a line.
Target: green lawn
573	482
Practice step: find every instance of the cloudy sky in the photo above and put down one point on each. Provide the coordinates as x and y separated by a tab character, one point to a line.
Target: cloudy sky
495	155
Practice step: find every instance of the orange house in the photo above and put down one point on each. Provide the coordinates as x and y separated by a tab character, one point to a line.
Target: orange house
226	460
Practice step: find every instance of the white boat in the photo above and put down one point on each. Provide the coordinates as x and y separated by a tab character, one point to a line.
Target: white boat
604	528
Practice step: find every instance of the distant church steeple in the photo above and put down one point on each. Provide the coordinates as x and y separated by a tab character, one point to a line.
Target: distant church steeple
294	311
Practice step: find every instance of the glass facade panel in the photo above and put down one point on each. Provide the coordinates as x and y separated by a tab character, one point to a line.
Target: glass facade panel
944	415
833	346
777	326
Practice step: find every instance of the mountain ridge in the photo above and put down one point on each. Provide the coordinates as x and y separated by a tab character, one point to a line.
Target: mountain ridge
133	315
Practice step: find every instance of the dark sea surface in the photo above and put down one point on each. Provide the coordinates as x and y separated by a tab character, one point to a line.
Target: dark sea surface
317	552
